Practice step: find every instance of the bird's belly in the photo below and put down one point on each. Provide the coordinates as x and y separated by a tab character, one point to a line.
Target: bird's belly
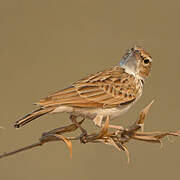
112	112
91	113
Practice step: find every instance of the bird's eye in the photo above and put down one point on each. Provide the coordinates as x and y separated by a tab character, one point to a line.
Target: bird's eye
146	61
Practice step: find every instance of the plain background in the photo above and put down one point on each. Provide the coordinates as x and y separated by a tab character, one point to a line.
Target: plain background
46	45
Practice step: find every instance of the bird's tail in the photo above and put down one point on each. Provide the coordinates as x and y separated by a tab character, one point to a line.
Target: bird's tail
31	116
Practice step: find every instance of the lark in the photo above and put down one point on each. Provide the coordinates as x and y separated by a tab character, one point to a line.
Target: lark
106	93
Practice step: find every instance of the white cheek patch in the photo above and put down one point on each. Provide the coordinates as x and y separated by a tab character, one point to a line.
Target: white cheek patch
130	71
130	64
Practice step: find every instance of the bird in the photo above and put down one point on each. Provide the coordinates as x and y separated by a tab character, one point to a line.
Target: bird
110	92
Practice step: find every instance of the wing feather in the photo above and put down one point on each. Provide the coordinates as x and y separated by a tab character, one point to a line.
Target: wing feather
109	88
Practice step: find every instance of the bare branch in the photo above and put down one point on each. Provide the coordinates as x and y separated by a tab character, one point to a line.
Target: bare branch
118	138
20	150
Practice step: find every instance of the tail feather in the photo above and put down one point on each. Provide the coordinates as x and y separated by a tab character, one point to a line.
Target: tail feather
31	116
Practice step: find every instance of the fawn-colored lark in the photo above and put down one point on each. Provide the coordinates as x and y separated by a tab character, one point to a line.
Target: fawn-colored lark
106	93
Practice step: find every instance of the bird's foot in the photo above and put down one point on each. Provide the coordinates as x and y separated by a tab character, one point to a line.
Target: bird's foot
83	137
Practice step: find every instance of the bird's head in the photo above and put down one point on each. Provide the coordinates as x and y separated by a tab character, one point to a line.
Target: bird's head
137	62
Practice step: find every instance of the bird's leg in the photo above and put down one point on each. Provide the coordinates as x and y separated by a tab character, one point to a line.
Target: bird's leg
98	122
84	132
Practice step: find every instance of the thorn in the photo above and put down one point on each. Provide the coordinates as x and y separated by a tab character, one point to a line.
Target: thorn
146	109
127	154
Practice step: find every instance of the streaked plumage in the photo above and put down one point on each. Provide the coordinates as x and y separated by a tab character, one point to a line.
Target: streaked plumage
109	92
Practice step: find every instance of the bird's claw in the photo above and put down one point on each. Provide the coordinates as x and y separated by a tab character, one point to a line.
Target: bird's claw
83	137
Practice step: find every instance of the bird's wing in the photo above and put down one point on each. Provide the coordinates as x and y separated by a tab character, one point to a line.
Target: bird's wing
108	88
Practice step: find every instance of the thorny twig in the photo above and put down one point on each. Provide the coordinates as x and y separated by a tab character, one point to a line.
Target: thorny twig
118	138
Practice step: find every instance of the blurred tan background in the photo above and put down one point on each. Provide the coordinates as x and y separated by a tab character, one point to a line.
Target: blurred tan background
46	45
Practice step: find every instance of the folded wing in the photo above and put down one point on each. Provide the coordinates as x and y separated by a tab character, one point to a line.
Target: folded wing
103	89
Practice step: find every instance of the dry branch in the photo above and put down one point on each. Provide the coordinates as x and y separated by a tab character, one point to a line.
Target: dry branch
118	138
